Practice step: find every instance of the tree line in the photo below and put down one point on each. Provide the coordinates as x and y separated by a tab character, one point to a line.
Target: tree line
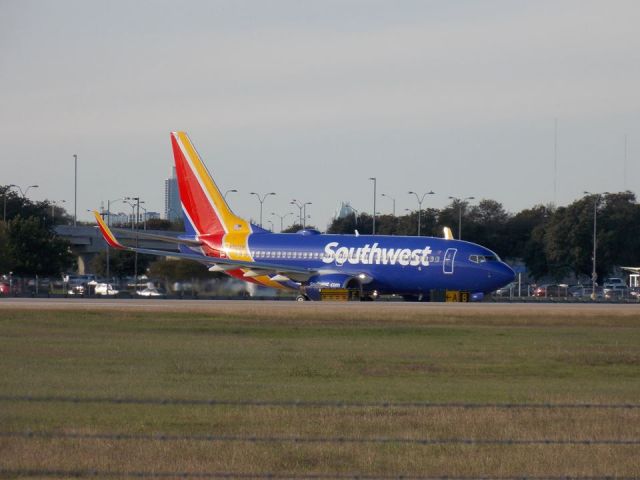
551	241
28	244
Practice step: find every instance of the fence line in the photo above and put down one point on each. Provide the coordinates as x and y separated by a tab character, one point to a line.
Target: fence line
310	403
278	476
162	437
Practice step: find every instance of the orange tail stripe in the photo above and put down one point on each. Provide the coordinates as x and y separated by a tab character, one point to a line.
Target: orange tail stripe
106	233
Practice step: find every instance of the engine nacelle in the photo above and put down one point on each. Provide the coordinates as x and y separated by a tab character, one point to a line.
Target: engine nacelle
331	281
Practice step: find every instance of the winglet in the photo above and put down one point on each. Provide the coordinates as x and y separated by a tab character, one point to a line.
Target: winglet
448	235
106	233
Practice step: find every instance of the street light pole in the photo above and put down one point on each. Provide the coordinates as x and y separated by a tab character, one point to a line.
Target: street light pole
393	200
302	207
135	212
53	204
261	200
281	217
109	224
233	190
461	202
23	193
356	214
75	190
144	218
375	183
420	200
594	274
304	217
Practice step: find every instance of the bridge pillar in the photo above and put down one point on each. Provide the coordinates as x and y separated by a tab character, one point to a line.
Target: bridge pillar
84	262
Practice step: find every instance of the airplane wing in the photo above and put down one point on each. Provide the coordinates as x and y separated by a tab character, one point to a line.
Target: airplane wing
253	269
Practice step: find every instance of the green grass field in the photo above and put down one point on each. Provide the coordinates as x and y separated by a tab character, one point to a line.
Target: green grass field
352	354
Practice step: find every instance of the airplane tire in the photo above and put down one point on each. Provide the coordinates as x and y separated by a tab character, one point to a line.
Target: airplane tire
301	298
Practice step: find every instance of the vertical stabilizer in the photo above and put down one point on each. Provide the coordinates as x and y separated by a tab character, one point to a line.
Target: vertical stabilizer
205	209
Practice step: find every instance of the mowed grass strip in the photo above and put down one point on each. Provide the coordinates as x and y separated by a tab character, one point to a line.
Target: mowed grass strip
208	356
307	459
425	355
354	423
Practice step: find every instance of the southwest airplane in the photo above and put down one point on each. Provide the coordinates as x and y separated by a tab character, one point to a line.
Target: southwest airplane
308	261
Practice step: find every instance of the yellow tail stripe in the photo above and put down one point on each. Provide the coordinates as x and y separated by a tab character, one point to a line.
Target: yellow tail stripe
230	221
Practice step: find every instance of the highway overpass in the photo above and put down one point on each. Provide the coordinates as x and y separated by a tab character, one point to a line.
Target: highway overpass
87	242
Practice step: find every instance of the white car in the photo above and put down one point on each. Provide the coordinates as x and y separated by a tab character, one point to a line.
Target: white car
76	290
150	292
105	289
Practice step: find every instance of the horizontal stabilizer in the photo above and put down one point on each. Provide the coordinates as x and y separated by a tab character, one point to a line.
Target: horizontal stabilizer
159	238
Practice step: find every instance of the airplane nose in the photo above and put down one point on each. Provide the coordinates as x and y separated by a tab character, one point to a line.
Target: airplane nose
506	274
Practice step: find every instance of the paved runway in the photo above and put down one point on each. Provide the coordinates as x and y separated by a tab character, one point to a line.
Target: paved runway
263	305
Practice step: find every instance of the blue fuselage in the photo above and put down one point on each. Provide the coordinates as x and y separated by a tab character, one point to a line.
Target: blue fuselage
386	264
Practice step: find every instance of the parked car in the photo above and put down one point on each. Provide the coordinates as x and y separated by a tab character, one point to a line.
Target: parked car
76	290
617	292
105	289
551	291
5	289
151	292
586	293
613	282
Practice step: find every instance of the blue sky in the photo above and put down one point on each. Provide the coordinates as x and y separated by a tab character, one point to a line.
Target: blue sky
311	98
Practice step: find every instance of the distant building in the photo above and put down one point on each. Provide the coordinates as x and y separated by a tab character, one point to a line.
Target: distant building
344	210
120	219
172	207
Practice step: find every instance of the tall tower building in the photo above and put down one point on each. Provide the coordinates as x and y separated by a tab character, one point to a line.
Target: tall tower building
172	208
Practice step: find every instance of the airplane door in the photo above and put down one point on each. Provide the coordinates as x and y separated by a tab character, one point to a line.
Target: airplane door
449	256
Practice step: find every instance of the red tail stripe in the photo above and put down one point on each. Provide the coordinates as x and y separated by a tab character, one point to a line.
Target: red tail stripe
194	199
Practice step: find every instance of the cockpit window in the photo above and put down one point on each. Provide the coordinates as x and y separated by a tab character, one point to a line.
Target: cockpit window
483	258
